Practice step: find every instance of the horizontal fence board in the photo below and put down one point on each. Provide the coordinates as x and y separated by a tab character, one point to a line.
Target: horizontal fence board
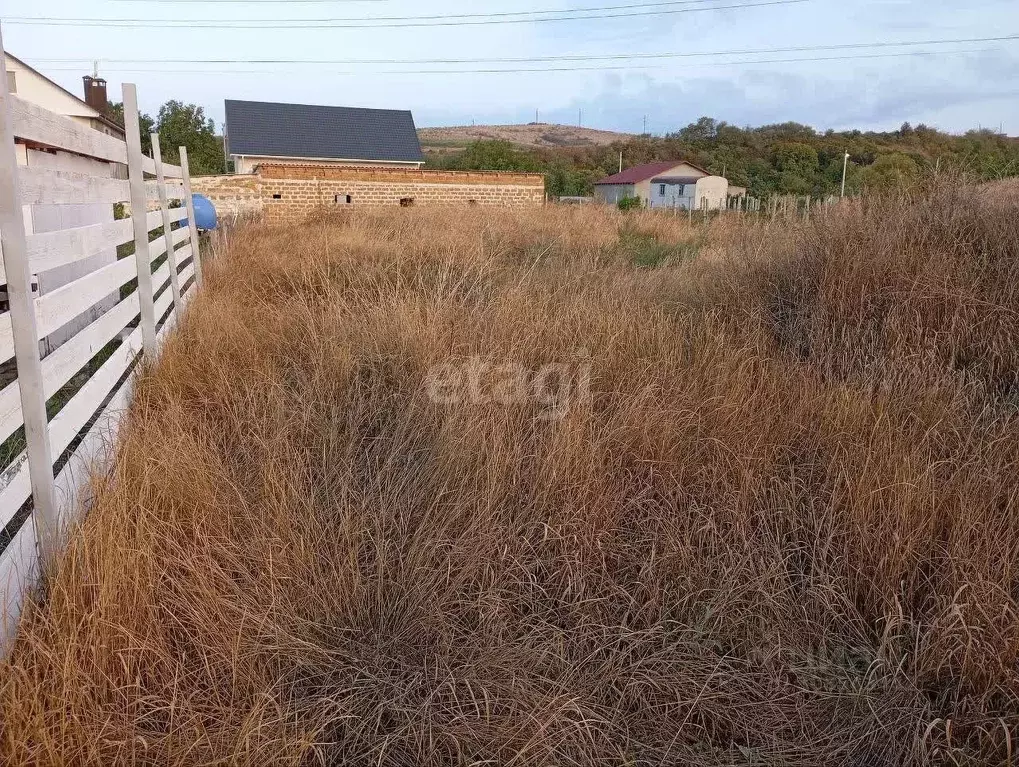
44	127
56	309
10	410
59	367
187	292
159	279
158	246
83	405
6	337
172	172
53	249
169	171
174	190
42	186
167	329
187	273
15	489
94	453
183	257
19	572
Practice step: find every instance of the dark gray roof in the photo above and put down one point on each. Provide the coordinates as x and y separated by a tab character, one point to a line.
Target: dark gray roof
262	129
675	180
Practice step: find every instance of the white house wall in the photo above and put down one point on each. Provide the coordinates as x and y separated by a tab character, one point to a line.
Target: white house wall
712	189
33	87
673	197
715	190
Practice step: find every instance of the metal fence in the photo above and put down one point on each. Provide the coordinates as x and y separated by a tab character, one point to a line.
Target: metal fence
60	405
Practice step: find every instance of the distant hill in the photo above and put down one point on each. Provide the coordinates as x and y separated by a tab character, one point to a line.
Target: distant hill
532	135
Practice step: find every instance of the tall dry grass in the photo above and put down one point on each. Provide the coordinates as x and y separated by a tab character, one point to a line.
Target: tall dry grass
783	531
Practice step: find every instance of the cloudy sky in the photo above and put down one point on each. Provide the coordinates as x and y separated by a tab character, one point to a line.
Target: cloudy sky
201	51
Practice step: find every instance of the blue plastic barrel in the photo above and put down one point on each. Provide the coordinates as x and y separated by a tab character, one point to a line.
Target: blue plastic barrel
205	212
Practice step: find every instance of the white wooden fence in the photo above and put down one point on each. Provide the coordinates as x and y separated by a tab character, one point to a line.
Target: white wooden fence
43	487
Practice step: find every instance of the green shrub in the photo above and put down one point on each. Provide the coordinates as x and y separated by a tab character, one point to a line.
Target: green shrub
630	203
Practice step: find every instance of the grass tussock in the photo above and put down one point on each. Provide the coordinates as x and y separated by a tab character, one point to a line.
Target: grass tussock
782	530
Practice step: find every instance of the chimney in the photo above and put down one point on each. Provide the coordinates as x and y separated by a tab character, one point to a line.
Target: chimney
95	93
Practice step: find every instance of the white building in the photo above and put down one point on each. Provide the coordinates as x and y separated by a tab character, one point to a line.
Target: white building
635	182
32	86
689	192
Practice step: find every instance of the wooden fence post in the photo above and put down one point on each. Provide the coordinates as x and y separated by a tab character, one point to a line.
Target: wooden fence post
171	256
186	173
26	336
139	218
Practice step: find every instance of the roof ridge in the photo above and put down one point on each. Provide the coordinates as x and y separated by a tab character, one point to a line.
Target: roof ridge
646	171
315	106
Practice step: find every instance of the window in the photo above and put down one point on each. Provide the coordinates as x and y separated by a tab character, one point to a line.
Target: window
661	189
12	82
406	202
343	199
277	196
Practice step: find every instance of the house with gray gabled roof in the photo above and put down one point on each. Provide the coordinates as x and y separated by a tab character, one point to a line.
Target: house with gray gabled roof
263	133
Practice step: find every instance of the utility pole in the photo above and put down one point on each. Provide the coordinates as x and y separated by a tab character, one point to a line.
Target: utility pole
226	157
580	118
535	115
620	162
645	125
845	168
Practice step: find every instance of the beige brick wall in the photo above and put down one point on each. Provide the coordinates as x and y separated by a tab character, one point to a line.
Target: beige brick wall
292	192
232	195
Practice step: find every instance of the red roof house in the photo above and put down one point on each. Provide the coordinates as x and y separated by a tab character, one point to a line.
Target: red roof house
636	181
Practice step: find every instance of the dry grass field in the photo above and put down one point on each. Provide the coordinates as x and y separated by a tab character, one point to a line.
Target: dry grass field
767	513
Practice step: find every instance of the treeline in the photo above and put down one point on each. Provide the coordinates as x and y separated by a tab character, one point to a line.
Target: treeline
774	159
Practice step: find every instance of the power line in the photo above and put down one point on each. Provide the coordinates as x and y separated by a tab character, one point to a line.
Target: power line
247	2
457	20
855	57
433	16
556	58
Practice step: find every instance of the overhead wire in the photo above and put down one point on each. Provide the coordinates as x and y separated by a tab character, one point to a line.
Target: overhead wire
365	23
552	58
546	69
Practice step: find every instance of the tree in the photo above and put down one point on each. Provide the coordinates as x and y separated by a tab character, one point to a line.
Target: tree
890	171
494	155
797	165
181	124
702	131
115	111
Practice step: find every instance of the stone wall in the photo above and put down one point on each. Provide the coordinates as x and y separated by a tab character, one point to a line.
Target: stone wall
233	196
291	192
